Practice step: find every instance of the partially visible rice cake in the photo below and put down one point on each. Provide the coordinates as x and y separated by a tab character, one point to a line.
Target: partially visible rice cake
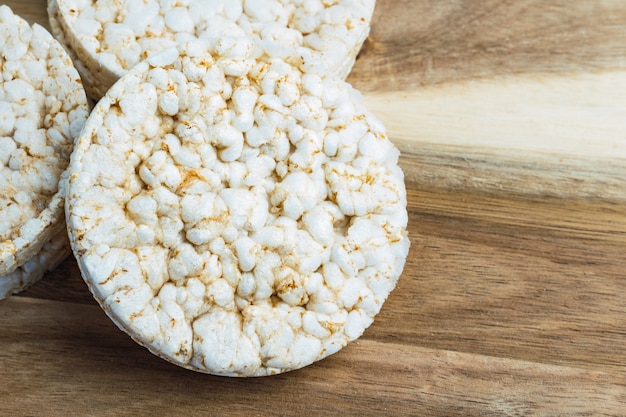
43	106
236	217
51	254
90	83
109	37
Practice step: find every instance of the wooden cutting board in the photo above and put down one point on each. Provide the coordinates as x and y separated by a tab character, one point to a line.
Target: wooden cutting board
524	97
509	116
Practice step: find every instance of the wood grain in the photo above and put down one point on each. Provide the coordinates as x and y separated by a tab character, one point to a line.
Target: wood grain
521	97
511	303
80	365
414	43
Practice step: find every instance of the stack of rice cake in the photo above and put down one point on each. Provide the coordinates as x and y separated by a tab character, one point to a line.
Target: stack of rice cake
42	109
231	203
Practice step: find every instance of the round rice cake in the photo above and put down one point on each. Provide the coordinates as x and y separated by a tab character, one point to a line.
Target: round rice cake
236	225
43	106
109	37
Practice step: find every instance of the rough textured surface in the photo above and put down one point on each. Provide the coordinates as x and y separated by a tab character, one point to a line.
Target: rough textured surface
110	37
42	108
236	216
51	254
90	82
509	304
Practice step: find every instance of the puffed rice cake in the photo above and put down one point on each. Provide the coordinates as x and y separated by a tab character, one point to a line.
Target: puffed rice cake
236	217
43	106
108	37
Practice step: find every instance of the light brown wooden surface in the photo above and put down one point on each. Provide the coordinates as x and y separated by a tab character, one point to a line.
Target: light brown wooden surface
512	301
